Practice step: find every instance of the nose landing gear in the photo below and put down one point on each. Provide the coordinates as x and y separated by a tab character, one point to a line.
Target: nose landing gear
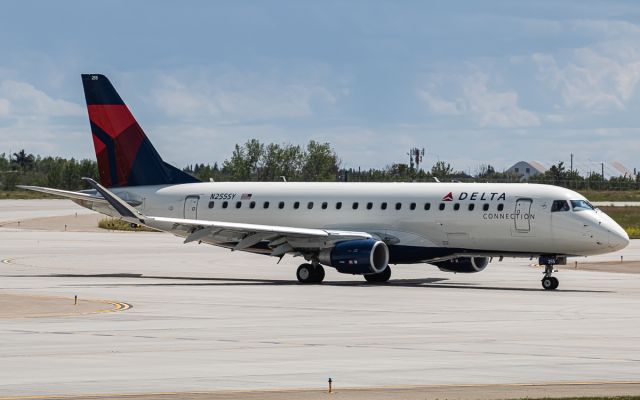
549	282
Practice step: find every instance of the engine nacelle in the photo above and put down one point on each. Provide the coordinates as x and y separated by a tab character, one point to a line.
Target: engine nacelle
365	256
464	265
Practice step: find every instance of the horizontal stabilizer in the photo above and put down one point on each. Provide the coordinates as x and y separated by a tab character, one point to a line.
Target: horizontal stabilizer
126	211
65	193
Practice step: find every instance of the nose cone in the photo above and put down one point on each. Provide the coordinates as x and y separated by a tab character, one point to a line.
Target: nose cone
618	238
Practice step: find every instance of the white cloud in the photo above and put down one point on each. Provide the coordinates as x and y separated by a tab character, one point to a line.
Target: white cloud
603	28
23	100
437	105
592	80
601	76
30	121
241	98
486	106
5	107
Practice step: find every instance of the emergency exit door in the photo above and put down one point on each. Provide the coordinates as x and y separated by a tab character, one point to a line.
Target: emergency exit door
191	207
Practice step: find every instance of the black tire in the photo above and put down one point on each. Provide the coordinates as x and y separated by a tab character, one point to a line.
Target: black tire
380	277
318	274
548	283
556	283
305	273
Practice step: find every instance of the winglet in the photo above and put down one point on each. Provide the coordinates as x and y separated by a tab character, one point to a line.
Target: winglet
126	211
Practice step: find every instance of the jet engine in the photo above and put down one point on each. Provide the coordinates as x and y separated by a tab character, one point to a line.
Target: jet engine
363	256
464	265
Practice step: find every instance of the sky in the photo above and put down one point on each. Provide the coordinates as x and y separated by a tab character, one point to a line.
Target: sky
472	82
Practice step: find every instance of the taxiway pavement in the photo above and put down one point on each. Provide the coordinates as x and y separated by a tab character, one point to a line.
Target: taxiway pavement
207	319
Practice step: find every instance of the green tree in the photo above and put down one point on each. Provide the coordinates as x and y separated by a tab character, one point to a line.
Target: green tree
320	163
23	160
441	170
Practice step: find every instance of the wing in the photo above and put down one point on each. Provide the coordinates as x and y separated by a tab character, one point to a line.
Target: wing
239	236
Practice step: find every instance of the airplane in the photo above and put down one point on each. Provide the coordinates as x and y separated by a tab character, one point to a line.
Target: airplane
356	228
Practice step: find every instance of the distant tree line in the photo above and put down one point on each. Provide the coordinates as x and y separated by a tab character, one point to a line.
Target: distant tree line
26	169
255	161
315	162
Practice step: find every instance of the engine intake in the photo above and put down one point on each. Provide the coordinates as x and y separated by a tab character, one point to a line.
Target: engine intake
366	256
464	265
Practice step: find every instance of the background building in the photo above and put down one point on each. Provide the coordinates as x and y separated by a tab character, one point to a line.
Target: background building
526	169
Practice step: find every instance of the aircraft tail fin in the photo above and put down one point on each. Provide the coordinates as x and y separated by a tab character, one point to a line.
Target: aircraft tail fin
125	155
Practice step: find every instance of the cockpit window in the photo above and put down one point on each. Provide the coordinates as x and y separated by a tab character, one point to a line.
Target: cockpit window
560	205
581	205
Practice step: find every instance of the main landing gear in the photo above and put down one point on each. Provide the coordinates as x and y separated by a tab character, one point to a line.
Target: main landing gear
309	273
549	282
380	277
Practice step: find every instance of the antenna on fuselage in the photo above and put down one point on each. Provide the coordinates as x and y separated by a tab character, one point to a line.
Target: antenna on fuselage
435	178
284	178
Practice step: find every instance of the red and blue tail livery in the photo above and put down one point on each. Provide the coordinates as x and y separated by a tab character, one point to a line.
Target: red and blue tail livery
125	155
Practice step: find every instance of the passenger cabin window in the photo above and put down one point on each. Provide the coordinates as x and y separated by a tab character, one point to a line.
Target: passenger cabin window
456	206
281	205
338	205
560	205
500	207
581	205
441	206
310	205
238	204
265	204
355	205
211	204
383	206
296	205
398	206
252	204
225	204
471	206
485	207
369	205
324	205
427	206
412	206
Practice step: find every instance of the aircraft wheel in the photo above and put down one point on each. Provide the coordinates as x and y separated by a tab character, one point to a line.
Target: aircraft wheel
380	277
550	283
319	274
305	273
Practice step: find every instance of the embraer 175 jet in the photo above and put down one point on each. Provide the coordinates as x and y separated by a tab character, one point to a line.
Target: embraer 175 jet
356	228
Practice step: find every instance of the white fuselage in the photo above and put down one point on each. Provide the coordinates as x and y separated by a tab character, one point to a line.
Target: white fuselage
420	220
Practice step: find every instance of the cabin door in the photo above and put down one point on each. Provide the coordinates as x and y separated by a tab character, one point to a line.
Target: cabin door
522	215
191	207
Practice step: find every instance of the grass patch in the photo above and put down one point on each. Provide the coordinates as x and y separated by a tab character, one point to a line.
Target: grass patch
115	224
24	195
626	217
611	195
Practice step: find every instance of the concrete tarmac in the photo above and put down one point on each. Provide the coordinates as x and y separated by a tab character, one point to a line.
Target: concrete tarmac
206	319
